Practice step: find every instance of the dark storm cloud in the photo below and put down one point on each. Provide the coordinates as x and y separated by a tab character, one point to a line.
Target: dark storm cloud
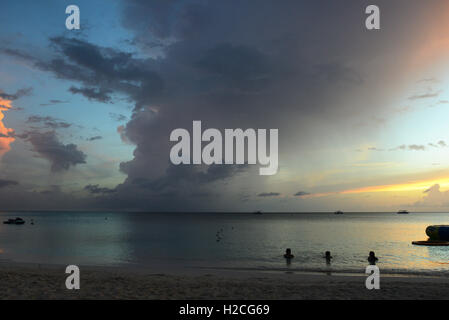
269	194
230	74
96	189
237	66
49	122
230	64
60	156
190	175
102	70
7	183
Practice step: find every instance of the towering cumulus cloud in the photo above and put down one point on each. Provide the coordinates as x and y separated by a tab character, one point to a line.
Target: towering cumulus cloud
5	133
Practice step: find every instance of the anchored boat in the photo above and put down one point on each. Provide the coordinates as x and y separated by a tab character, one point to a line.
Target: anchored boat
14	221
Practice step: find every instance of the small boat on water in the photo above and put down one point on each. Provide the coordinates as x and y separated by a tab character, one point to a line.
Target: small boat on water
14	221
402	212
338	212
258	212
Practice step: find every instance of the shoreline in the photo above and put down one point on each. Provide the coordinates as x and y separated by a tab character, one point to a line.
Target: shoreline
195	270
28	281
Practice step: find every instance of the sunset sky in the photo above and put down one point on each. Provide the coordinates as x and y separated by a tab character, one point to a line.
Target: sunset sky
86	115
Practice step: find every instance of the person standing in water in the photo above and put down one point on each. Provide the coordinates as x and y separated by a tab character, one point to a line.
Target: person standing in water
328	257
288	254
372	259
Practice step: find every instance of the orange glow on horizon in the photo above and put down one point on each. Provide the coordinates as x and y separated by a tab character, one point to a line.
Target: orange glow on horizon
401	187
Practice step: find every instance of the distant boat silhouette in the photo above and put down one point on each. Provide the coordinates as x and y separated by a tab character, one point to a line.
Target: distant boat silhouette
338	212
14	221
258	212
402	212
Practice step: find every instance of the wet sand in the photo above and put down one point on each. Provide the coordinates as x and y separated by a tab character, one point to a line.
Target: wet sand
38	282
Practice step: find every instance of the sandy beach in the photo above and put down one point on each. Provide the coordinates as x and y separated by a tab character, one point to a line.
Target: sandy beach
38	282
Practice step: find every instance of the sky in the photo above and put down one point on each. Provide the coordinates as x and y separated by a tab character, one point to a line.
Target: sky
86	115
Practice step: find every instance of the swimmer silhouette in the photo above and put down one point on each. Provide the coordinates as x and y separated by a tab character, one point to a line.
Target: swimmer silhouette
288	254
372	259
328	257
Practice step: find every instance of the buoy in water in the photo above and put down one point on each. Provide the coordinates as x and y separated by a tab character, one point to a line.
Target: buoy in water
438	232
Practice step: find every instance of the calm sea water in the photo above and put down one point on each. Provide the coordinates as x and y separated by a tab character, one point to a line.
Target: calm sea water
247	240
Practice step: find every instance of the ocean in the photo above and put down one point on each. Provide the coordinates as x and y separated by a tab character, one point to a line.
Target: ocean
227	241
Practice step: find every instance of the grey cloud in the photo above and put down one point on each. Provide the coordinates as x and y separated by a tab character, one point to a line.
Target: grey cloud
425	95
416	147
430	80
190	175
52	102
100	70
269	194
434	197
96	189
101	94
20	93
60	156
17	54
375	149
94	138
220	65
7	183
420	147
117	117
301	194
334	72
6	135
239	66
49	122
